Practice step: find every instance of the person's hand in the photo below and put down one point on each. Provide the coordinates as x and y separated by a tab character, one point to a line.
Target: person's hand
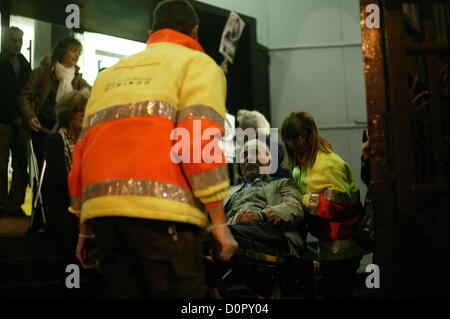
225	240
86	91
365	149
247	215
290	192
18	122
34	124
81	251
272	216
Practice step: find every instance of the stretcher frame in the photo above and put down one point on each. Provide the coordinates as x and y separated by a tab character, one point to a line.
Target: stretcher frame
283	277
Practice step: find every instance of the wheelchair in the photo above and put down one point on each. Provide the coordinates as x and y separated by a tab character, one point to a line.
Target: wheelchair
253	274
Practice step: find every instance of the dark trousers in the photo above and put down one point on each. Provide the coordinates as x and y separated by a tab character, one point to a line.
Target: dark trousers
150	259
339	278
64	227
16	140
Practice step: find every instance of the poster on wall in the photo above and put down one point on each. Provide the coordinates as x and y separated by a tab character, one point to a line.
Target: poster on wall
231	35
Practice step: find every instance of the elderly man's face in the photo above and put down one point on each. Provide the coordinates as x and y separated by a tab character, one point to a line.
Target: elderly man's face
14	45
253	160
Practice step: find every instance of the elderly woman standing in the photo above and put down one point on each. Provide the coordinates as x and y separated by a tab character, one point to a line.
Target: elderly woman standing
45	88
58	154
331	198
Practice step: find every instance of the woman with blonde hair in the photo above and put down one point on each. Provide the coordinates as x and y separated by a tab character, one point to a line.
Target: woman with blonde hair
58	154
330	196
62	225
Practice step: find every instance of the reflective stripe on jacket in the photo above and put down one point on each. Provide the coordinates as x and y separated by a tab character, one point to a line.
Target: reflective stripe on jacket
122	162
331	197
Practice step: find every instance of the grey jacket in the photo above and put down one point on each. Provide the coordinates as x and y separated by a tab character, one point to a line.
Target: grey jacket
265	200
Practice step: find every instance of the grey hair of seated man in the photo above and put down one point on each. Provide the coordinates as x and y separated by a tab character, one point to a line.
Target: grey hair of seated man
253	119
254	155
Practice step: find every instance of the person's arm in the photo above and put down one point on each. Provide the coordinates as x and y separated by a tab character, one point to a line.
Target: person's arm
331	189
202	112
81	251
86	91
222	233
248	215
25	98
83	86
289	212
365	163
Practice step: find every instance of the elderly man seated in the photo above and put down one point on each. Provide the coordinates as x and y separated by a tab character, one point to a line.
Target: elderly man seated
264	213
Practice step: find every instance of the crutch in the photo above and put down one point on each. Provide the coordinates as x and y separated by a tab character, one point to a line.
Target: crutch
38	193
38	184
36	171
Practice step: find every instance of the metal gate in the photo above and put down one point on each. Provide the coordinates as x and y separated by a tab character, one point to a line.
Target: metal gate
406	75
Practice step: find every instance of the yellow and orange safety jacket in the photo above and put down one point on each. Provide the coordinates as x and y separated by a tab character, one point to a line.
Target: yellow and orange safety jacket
122	162
331	197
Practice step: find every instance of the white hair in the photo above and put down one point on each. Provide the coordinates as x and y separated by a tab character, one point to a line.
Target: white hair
253	119
262	150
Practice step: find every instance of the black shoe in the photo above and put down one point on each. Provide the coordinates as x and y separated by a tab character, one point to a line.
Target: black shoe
3	213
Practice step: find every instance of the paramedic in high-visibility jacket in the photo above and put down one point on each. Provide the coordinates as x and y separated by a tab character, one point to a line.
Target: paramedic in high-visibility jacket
143	201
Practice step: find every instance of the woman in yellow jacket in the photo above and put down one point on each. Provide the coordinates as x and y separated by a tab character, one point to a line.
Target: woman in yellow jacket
330	196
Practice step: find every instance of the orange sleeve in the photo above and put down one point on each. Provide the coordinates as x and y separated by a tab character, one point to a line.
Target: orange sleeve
202	116
74	179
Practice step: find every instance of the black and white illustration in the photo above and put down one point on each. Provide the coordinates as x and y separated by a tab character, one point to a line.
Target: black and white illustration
231	35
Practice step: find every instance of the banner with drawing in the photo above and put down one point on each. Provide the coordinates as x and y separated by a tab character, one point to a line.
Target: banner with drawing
231	35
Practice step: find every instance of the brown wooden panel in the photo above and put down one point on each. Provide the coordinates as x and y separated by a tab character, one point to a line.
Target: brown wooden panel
426	47
437	130
432	188
380	154
403	161
409	180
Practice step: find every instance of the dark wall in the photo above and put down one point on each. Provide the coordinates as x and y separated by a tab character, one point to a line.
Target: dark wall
248	76
5	12
59	33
